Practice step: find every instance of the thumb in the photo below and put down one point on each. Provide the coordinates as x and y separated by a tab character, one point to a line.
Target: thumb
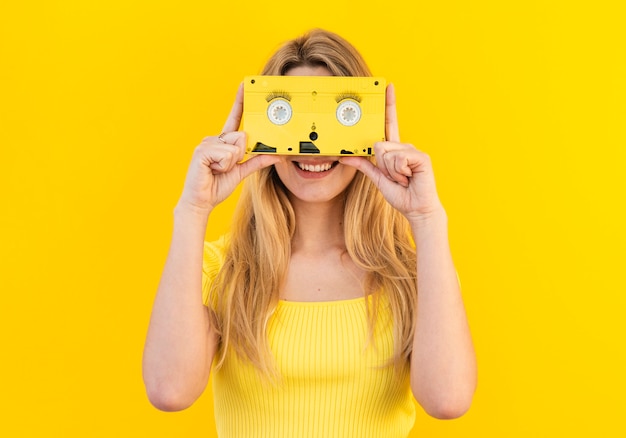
367	167
255	163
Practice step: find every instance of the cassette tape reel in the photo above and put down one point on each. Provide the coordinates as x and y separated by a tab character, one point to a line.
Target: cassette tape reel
323	115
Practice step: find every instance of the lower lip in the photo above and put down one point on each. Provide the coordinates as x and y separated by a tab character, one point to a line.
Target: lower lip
313	175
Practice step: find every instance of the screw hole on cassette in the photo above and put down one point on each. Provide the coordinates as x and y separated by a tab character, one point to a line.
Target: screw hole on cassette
375	82
349	113
279	111
252	81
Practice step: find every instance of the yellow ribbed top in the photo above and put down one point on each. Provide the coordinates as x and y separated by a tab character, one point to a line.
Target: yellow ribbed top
333	384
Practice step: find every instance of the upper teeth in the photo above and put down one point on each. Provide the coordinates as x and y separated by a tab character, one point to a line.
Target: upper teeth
315	167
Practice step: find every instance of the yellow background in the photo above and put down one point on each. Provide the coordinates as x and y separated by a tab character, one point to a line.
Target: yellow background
521	104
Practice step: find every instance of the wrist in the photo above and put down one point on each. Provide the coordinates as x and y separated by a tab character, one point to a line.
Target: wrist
433	217
430	230
186	209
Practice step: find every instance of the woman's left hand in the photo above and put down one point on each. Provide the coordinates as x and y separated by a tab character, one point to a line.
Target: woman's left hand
403	174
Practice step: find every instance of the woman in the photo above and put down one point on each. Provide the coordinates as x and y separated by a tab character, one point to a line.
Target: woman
309	311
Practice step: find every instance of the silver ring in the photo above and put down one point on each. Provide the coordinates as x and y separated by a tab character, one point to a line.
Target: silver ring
221	137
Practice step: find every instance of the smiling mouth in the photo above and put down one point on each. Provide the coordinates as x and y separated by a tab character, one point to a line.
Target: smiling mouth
317	168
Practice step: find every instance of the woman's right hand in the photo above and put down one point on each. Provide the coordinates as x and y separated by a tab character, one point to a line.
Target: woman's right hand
216	166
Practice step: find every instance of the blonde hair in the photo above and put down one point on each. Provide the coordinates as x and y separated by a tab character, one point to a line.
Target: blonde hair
245	291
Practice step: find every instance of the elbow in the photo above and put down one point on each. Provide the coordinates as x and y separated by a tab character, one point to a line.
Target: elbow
172	390
446	405
168	399
167	404
447	410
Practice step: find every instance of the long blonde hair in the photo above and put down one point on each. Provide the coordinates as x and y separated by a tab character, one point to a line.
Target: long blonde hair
245	291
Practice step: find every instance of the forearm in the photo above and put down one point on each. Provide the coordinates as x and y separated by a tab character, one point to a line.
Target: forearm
180	343
443	368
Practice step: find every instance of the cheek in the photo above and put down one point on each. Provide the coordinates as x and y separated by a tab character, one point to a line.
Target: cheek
351	172
348	174
281	169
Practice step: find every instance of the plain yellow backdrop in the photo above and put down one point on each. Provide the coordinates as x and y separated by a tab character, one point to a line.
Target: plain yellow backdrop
521	104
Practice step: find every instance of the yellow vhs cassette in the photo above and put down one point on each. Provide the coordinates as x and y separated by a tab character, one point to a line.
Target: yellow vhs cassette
324	115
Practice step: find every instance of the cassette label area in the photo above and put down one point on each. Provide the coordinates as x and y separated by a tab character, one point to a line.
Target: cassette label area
323	115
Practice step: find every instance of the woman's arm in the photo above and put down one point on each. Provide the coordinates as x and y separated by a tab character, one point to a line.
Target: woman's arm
443	363
181	343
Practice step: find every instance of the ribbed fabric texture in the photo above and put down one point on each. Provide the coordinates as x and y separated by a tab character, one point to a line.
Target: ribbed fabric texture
333	384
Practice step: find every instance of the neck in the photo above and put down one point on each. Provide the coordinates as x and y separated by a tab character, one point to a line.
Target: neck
319	226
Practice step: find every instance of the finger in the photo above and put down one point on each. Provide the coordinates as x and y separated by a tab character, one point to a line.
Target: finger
401	171
393	160
367	167
391	117
218	154
234	118
235	140
401	165
393	163
380	152
221	158
257	162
